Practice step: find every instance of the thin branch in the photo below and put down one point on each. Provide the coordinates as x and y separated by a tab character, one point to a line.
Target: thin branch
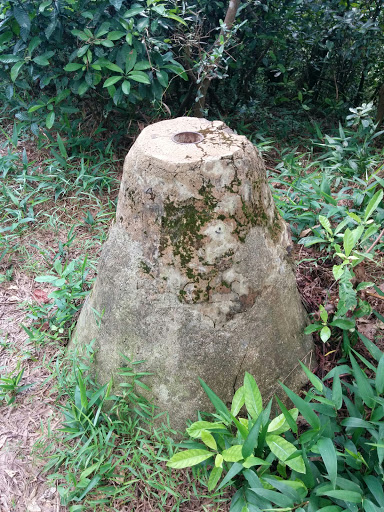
376	241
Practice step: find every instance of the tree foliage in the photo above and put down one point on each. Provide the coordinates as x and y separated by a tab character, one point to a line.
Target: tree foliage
310	55
52	50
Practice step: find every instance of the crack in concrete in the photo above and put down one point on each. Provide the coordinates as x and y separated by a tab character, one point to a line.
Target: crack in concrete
239	370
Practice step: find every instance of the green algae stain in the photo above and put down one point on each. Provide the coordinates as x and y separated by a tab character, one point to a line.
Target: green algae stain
181	228
277	227
181	231
181	225
206	193
145	267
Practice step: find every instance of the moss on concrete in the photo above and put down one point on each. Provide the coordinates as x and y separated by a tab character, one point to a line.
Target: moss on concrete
181	228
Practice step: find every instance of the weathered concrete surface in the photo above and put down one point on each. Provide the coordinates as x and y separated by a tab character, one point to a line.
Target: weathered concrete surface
195	277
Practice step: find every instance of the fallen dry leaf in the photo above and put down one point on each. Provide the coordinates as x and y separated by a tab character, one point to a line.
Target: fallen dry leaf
42	327
305	232
33	507
40	296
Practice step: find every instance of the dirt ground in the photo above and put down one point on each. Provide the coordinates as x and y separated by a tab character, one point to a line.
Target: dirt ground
23	487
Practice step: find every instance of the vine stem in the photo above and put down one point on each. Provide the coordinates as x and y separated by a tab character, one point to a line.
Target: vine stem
376	241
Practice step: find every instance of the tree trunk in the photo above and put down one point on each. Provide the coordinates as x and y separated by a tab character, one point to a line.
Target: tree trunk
204	85
380	107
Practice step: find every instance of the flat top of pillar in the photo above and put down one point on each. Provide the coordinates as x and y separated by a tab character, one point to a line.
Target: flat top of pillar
189	139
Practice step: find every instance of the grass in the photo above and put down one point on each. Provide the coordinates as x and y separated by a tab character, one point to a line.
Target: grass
108	459
58	200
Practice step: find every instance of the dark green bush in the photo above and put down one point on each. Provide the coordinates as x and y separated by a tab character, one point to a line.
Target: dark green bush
302	55
52	52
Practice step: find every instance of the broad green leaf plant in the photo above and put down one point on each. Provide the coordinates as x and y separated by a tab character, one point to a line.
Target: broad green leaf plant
329	461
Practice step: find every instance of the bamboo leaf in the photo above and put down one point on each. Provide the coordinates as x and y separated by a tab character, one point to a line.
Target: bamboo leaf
83	392
250	444
291	418
235	470
315	381
375	352
279	499
379	381
63	151
305	408
337	394
351	496
219	405
363	385
376	488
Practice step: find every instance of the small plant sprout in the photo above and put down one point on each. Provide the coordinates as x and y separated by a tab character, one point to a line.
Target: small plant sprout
10	385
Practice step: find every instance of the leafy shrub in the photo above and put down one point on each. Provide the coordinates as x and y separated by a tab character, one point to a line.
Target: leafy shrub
334	463
345	172
54	52
109	452
352	151
332	203
349	306
92	430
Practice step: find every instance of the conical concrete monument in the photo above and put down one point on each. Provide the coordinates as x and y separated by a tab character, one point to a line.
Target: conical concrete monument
195	277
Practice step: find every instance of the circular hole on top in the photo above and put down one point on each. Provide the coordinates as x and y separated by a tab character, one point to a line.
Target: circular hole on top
188	137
